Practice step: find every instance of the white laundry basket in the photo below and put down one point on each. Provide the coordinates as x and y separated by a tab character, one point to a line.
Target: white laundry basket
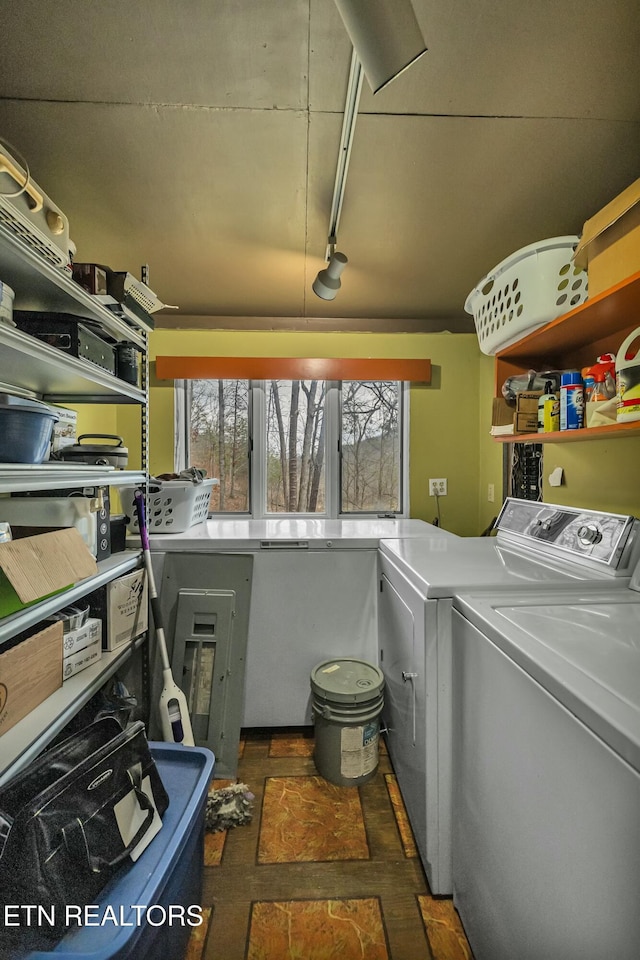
173	505
531	287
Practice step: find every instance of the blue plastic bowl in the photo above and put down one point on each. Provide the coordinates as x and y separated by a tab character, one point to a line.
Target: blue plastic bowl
25	431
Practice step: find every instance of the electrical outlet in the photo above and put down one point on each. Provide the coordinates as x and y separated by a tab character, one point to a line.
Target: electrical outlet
438	488
491	493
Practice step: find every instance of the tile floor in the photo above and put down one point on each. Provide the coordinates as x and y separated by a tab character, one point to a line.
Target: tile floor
321	872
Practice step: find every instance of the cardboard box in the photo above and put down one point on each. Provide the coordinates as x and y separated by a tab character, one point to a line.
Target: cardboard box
123	606
609	248
30	671
502	413
526	423
65	431
84	636
82	659
33	568
526	419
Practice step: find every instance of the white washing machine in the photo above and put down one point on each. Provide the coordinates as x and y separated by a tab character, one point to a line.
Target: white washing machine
536	545
546	814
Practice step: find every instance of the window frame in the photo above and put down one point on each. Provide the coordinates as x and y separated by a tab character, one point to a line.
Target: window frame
333	455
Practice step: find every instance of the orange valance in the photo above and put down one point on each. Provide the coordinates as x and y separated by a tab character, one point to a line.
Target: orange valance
292	368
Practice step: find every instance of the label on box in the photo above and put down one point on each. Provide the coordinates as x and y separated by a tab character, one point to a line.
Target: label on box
65	430
77	639
81	659
123	605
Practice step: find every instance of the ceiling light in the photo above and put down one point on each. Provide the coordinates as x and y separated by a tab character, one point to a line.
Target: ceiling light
385	35
327	283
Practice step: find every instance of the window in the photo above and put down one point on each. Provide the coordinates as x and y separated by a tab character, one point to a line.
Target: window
217	429
294	445
309	447
370	446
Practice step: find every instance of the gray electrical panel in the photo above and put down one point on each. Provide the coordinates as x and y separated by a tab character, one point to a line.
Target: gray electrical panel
204	657
205	602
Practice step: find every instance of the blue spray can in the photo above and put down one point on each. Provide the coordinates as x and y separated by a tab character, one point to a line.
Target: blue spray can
571	401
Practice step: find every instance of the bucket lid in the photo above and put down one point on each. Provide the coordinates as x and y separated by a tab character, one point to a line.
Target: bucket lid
347	680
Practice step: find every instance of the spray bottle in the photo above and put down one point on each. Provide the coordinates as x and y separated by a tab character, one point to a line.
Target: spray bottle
548	410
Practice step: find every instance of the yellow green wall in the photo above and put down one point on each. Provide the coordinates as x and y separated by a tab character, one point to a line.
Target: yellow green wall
443	414
450	421
597	474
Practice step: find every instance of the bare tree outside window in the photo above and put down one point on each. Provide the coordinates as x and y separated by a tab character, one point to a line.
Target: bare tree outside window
300	451
370	446
295	446
219	440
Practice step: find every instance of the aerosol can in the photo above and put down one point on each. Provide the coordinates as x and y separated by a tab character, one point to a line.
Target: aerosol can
571	401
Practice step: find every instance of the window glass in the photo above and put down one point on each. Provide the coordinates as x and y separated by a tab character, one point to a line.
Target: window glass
295	446
370	446
219	439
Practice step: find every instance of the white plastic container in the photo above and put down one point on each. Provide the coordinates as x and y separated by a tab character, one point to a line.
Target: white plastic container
531	287
628	378
173	505
78	512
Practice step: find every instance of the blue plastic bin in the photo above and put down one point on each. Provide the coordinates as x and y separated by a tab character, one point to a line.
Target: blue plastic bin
169	872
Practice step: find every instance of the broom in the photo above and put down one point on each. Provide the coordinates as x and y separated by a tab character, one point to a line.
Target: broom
174	712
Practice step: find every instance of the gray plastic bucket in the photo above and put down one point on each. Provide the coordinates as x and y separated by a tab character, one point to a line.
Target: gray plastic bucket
347	700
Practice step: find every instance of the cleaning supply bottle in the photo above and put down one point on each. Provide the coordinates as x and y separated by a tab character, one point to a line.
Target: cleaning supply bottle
588	382
628	378
548	410
571	401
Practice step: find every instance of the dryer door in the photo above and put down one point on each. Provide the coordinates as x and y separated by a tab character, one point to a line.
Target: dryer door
405	738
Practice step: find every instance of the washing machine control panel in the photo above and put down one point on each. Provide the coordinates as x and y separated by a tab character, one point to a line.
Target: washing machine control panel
583	535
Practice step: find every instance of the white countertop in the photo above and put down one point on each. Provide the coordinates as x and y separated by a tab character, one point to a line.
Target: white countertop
319	533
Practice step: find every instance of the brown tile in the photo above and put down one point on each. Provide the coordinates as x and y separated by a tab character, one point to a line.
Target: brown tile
219	784
214	847
444	930
310	819
214	840
198	937
400	813
291	744
317	930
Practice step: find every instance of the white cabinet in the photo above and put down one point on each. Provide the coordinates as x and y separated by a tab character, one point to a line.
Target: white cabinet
46	373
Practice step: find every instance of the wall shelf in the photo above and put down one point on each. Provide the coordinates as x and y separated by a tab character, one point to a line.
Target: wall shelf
59	378
616	430
20	477
31	734
31	367
38	285
114	566
573	341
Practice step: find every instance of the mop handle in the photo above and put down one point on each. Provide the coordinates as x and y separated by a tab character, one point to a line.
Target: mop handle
153	594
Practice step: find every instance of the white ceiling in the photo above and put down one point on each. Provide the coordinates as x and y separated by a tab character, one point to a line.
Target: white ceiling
201	137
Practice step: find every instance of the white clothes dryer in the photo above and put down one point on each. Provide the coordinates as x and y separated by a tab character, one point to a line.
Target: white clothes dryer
546	747
536	545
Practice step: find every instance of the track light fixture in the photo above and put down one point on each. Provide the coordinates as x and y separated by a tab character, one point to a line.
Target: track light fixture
386	40
385	35
327	283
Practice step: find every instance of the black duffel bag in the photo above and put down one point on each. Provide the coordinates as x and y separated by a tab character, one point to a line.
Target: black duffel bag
70	820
